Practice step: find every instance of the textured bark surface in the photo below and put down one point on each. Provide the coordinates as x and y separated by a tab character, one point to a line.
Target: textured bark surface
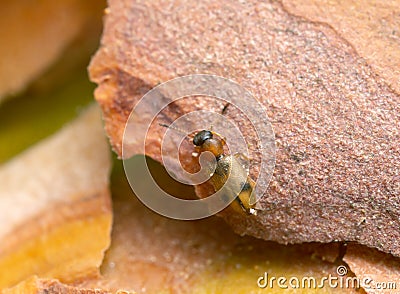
371	27
336	120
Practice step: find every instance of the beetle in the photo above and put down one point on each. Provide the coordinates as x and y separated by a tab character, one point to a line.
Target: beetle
227	166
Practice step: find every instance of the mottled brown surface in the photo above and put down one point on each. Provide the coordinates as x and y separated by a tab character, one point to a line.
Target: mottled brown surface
372	27
336	121
380	268
153	254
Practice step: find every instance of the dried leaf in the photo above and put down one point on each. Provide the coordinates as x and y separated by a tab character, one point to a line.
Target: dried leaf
371	27
380	272
35	34
153	254
35	285
55	218
336	122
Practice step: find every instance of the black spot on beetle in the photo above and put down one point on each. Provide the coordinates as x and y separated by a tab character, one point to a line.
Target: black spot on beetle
223	168
240	203
246	186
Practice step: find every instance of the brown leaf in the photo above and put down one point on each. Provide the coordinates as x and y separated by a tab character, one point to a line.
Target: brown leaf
35	285
55	206
35	34
153	254
380	272
336	122
371	27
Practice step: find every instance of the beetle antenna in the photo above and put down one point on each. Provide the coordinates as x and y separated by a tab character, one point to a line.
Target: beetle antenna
174	128
223	111
225	108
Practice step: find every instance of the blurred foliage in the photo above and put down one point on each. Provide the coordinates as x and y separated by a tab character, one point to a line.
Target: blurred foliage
34	115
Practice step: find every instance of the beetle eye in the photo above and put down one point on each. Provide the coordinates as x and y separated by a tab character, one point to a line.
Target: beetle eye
201	137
